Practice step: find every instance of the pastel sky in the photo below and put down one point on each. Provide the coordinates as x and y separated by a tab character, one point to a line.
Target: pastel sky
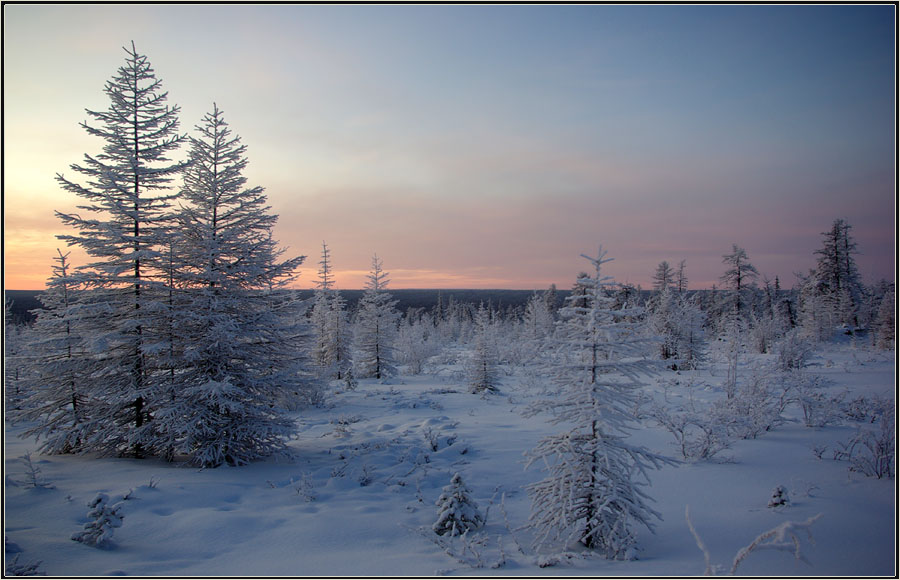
489	146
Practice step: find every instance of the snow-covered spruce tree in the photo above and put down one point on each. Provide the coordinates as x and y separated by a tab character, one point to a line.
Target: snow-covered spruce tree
664	277
457	511
340	337
836	274
15	367
681	280
885	323
538	319
59	405
677	321
376	327
482	368
127	197
663	321
551	298
740	277
816	316
580	291
238	334
169	350
593	493
331	350
691	345
321	312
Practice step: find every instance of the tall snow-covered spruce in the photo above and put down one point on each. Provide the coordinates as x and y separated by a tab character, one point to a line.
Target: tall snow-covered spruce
127	196
237	331
593	493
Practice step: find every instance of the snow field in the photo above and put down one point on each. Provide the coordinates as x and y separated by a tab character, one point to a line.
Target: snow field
357	497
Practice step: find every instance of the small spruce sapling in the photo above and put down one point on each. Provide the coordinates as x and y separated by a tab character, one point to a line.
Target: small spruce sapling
457	511
779	497
482	367
33	477
105	518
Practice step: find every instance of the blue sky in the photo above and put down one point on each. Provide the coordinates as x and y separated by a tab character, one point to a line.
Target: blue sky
489	146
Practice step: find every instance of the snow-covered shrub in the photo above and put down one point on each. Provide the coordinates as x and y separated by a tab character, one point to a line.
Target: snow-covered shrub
416	343
304	487
754	408
105	518
867	409
457	511
793	351
431	438
819	408
366	474
763	333
469	549
872	452
342	425
698	436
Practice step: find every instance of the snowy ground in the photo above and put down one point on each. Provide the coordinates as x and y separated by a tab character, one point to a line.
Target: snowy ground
358	498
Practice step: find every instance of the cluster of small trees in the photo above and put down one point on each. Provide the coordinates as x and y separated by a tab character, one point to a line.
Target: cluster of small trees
831	297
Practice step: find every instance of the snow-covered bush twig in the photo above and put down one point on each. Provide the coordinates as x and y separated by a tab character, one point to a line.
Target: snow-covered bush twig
508	527
783	537
30	569
706	556
466	550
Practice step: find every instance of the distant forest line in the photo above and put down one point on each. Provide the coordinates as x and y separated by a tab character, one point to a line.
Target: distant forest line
23	301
